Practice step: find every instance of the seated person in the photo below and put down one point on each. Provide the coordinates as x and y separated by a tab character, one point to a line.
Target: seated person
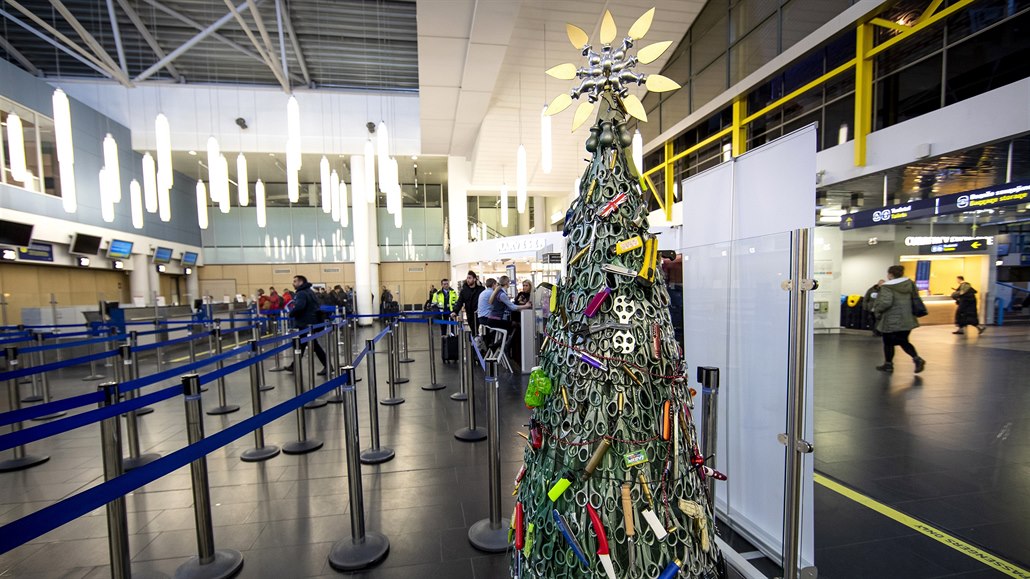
501	308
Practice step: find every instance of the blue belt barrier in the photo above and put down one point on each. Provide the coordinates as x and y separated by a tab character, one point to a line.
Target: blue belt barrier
49	518
446	323
321	333
33	349
413	321
49	408
157	345
274	339
212	376
234	330
361	356
49	335
55	326
13	374
479	355
178	371
8	340
381	335
74	421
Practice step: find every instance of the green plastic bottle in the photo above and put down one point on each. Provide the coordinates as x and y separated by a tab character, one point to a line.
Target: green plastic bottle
539	388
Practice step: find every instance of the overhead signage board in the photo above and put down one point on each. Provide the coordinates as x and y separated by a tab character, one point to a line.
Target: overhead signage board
36	251
956	247
975	200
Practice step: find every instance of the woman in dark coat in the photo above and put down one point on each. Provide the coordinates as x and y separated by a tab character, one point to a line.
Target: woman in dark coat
967	313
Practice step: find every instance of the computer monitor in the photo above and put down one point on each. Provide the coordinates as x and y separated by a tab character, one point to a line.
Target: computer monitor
189	259
14	233
1003	249
119	249
83	244
162	255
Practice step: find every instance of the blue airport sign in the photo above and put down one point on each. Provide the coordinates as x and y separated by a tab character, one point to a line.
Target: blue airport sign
978	199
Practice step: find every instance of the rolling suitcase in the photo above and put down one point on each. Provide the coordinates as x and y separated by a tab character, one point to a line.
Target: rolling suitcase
449	347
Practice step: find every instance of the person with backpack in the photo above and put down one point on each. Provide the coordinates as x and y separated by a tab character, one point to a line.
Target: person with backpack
966	313
892	305
305	313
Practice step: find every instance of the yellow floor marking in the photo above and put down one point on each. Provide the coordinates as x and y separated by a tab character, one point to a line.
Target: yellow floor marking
959	545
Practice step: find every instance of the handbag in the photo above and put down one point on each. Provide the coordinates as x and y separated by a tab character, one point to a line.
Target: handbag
918	307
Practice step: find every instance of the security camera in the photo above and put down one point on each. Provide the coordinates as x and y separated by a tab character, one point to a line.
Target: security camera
241	122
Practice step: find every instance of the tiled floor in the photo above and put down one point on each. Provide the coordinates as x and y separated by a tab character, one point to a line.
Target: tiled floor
929	448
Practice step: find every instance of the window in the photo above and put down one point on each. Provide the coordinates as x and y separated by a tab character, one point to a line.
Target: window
907	94
40	149
988	60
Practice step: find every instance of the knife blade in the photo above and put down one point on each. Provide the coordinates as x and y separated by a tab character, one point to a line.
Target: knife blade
603	553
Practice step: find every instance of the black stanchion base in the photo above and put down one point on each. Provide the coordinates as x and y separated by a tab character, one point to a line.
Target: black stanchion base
31	399
259	454
335	399
392	401
266	388
431	387
92	377
277	369
144	411
50	416
488	538
351	555
316	403
227	563
399	381
466	434
227	409
357	380
204	389
460	396
406	360
377	455
22	463
302	446
130	463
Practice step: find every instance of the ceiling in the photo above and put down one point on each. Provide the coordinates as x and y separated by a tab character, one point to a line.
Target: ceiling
473	70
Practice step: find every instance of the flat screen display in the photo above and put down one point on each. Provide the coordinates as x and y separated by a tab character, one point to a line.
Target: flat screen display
163	255
1003	249
189	258
85	244
14	233
119	249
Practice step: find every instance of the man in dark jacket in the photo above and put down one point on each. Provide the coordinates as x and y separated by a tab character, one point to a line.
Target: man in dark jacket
468	298
305	315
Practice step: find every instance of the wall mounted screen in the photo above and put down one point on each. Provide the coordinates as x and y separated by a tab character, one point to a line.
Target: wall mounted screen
119	249
85	244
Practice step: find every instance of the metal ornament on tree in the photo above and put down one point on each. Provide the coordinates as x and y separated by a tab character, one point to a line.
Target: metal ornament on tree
613	483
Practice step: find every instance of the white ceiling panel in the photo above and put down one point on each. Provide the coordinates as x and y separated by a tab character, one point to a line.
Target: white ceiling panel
445	18
493	22
441	61
438	102
482	66
472	106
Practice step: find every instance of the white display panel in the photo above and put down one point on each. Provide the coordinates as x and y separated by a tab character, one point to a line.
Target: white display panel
736	250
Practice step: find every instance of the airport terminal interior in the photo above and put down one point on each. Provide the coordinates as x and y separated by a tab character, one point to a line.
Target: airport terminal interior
512	288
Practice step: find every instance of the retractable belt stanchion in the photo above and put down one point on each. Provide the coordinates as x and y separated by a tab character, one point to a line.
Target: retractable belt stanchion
395	354
277	328
111	451
232	326
33	360
491	535
157	338
126	372
471	432
303	444
111	331
362	549
317	402
223	407
352	331
133	344
708	376
255	333
261	451
44	382
392	365
209	562
432	359
463	389
375	454
404	358
334	354
93	363
20	460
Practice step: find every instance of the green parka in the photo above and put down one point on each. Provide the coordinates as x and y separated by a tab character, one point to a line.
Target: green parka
893	306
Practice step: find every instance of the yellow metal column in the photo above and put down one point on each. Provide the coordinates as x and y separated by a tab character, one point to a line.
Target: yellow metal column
669	177
863	91
739	128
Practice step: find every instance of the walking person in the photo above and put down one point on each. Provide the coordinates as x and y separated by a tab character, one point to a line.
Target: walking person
305	314
468	300
894	318
966	314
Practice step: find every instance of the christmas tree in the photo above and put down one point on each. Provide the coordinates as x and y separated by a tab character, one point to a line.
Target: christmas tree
613	483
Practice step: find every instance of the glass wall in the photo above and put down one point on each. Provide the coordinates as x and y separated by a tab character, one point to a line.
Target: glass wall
40	150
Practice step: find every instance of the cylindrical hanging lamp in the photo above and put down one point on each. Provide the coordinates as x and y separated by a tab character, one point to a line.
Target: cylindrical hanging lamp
242	181
136	204
16	148
259	202
114	174
520	179
201	204
65	150
149	184
326	191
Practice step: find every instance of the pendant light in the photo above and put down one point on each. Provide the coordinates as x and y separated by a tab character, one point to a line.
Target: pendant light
259	202
16	148
65	151
223	184
357	181
520	179
638	151
114	175
545	141
201	205
331	194
242	181
342	203
292	185
164	203
136	204
213	164
149	184
383	156
163	134
327	180
106	202
504	205
370	172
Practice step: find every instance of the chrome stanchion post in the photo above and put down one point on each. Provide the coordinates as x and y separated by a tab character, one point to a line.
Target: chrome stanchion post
303	444
157	338
223	407
392	365
463	389
261	451
471	432
20	460
491	535
255	333
232	326
34	361
117	520
352	331
134	355
44	381
395	353
111	332
92	363
209	563
363	548
317	402
53	316
708	376
334	355
277	330
404	358
192	346
375	454
432	359
128	374
3	309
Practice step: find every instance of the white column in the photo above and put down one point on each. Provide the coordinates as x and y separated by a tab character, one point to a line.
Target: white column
192	287
457	204
155	283
139	278
366	257
540	214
